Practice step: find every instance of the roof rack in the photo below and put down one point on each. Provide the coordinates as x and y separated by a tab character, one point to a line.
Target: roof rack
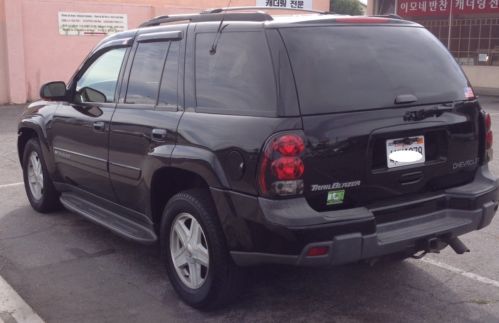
208	16
392	15
225	9
219	13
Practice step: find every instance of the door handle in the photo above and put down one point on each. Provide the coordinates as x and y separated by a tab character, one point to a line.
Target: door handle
99	125
159	134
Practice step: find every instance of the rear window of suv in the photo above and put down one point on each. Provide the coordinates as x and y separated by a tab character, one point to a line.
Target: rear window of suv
348	68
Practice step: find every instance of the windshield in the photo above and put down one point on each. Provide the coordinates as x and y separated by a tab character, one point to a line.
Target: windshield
348	68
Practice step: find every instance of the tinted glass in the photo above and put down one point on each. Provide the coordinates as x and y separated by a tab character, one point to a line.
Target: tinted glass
357	67
168	92
145	75
238	77
98	83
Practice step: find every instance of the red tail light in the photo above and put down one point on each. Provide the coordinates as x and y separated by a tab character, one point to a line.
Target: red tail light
489	140
286	168
488	122
289	145
489	137
281	167
317	251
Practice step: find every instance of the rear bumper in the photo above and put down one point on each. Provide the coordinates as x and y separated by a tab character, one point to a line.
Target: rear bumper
292	227
402	236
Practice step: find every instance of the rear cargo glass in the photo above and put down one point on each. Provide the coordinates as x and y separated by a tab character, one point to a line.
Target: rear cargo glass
348	68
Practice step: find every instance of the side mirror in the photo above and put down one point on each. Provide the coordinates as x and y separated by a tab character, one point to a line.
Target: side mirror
92	95
53	91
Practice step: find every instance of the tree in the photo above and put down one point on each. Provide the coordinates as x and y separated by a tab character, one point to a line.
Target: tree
346	7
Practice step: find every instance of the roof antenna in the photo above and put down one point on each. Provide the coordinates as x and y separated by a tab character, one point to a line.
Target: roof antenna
213	49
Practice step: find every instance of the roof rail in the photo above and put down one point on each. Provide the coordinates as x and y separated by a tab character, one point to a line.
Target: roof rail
208	16
225	9
156	21
391	15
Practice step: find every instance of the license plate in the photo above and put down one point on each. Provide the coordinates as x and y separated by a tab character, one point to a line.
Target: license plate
415	144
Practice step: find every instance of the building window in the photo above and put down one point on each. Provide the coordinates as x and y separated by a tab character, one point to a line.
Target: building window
473	41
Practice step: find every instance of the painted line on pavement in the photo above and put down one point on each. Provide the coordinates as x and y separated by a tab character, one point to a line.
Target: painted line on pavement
13	308
464	273
11	185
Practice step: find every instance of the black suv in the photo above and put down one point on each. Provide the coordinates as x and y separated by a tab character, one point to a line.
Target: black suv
235	138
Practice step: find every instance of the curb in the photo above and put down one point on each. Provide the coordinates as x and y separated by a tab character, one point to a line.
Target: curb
13	309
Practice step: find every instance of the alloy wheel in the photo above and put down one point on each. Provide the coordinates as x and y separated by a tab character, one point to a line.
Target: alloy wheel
189	250
35	175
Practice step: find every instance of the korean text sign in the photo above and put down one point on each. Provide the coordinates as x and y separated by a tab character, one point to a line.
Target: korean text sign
427	8
292	4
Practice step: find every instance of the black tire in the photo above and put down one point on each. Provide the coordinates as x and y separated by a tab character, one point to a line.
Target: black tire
49	200
224	279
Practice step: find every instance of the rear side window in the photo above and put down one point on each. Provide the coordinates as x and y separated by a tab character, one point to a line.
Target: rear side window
238	78
145	75
345	68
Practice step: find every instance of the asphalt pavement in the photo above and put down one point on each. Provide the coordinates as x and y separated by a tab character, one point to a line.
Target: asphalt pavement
71	270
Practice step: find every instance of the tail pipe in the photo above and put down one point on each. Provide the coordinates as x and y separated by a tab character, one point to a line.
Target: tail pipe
457	245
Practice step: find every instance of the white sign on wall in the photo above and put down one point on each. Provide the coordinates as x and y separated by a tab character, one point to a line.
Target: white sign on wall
294	4
83	23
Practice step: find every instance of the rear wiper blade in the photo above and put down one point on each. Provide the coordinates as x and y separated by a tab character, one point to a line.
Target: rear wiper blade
405	98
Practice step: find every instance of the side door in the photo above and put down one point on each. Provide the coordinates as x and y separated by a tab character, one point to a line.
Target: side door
80	126
144	127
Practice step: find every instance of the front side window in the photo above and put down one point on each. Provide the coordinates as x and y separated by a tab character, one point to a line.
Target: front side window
238	77
98	83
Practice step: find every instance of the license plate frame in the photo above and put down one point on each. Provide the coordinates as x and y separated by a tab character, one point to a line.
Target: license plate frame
415	143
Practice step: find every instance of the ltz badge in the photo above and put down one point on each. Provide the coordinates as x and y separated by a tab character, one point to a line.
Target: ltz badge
335	197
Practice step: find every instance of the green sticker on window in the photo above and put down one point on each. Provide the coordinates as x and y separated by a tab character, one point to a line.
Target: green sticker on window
335	197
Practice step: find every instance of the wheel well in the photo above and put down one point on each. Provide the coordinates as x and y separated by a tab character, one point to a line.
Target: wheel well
25	134
167	182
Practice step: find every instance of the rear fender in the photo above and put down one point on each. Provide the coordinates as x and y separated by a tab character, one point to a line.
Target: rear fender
202	162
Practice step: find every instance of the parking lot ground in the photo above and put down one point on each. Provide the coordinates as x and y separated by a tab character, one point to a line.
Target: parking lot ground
71	270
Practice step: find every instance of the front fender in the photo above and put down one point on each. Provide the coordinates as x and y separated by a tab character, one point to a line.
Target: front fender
35	121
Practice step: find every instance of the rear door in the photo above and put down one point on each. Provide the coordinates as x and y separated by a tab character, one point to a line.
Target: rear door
147	115
367	91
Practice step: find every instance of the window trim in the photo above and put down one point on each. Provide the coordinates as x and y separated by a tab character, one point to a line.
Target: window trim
161	36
